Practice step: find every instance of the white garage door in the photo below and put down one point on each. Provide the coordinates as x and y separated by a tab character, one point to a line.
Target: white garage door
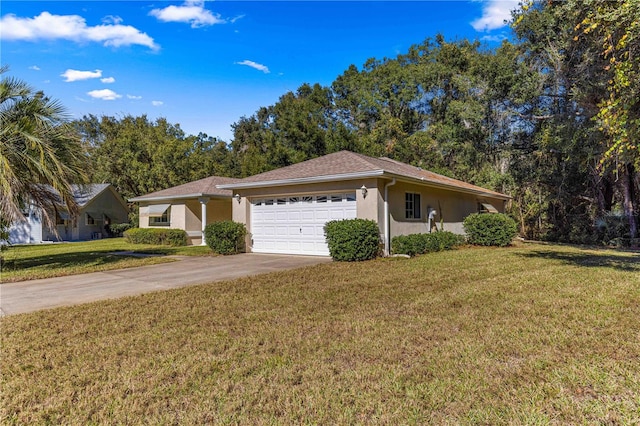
295	224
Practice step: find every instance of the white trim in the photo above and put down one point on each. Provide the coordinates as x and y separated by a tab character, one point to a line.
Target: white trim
361	175
176	197
296	181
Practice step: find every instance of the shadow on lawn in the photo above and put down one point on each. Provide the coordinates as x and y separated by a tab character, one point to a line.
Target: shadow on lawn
68	260
623	263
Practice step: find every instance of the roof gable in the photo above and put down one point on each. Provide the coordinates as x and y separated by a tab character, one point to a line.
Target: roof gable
84	194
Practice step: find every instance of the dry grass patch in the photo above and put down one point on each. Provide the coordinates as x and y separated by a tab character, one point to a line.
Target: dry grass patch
528	335
29	262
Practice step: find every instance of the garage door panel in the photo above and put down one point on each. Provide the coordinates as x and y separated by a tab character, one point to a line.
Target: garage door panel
294	215
321	215
295	225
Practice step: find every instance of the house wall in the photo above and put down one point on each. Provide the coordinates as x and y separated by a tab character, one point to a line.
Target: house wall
187	215
27	231
451	207
105	204
367	207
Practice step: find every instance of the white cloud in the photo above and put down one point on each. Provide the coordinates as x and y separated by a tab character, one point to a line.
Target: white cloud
34	67
233	20
72	27
104	94
76	75
108	80
496	38
494	14
157	103
191	12
112	19
134	97
255	65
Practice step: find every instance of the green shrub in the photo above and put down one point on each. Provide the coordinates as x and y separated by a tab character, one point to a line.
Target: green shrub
352	239
490	229
165	236
225	237
117	229
415	244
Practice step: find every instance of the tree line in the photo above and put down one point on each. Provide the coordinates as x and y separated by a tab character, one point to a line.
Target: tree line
551	118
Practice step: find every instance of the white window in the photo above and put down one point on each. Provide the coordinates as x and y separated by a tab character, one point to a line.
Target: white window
89	220
163	220
412	205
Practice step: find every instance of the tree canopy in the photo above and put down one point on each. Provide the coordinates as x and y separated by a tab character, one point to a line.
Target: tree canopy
551	117
39	151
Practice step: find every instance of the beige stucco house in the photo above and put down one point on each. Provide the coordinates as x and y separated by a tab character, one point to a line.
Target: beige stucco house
184	206
285	209
99	205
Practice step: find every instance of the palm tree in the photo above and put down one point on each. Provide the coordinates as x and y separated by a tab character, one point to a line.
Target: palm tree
39	150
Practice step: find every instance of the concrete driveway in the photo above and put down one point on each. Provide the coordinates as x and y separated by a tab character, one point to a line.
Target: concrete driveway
29	296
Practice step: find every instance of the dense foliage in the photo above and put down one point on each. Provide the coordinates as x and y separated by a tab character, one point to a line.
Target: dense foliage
158	236
225	237
551	118
117	229
486	229
352	240
415	244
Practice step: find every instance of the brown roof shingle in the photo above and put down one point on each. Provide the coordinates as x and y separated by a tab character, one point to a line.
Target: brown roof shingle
347	164
199	188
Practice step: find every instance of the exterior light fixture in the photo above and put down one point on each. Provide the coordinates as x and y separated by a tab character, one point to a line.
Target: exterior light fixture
365	191
237	196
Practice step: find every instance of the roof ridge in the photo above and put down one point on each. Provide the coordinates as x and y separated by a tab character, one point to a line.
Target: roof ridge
364	158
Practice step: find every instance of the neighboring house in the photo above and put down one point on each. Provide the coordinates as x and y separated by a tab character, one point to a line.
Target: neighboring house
285	209
184	206
99	205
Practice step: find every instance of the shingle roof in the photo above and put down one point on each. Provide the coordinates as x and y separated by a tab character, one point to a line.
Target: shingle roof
83	194
199	188
344	165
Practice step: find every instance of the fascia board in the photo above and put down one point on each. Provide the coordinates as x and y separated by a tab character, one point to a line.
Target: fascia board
298	181
426	182
176	197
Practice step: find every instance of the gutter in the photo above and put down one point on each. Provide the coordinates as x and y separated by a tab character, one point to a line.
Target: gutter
359	175
387	219
296	181
176	197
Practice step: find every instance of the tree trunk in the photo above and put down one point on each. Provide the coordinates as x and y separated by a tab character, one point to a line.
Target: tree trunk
628	199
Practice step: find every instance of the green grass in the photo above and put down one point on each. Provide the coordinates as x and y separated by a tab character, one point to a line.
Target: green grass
28	262
535	334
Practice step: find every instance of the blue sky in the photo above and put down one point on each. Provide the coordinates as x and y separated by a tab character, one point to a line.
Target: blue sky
204	65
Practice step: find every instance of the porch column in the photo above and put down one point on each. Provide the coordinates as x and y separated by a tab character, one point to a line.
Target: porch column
203	205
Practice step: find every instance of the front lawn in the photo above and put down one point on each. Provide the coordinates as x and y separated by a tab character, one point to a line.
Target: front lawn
535	334
28	262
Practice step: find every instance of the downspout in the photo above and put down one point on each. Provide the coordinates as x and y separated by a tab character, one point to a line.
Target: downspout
387	229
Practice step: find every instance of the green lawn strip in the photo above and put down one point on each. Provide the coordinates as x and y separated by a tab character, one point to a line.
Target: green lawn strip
527	335
27	262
